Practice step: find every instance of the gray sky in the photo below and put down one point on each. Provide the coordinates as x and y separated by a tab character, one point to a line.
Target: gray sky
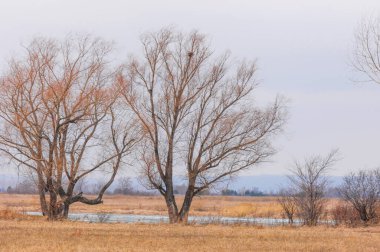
302	48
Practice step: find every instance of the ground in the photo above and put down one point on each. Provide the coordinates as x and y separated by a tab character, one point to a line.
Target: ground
26	233
41	235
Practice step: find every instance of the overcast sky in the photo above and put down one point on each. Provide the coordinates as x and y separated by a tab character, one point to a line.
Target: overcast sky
302	48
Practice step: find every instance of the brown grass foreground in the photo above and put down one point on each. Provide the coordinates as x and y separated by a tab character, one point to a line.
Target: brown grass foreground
27	233
41	235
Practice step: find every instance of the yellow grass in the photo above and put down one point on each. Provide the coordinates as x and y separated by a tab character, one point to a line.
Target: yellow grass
25	233
201	206
41	235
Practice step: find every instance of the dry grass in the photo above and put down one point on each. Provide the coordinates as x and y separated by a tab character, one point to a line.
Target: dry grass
11	214
41	235
255	209
8	214
26	233
202	206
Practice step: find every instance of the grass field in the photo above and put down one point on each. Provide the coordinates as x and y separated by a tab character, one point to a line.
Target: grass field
41	235
202	206
27	233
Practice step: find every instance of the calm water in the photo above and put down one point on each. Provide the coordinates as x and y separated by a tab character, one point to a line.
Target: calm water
131	218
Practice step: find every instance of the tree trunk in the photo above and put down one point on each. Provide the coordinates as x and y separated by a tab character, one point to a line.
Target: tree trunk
41	191
55	213
172	208
66	208
184	213
55	207
363	214
44	206
169	195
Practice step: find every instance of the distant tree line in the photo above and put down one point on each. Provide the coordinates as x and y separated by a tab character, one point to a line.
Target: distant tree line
125	186
246	192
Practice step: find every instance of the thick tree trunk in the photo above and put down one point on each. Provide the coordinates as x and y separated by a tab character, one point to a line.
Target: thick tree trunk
172	208
184	213
66	208
55	213
56	207
363	214
41	191
169	195
44	207
43	203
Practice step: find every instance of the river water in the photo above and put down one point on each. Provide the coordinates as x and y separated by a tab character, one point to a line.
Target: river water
131	218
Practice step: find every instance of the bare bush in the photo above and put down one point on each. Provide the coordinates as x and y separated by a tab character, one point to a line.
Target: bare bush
362	191
26	186
309	184
124	186
345	214
288	202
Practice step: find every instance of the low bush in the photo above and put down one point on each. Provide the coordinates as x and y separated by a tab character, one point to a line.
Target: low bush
344	214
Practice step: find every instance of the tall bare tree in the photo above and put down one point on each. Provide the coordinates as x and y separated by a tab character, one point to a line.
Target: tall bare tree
197	114
366	54
309	184
60	120
360	189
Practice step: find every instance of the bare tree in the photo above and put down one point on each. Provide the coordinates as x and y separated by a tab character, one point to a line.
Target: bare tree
288	202
309	182
60	118
26	186
125	186
366	54
197	114
362	191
